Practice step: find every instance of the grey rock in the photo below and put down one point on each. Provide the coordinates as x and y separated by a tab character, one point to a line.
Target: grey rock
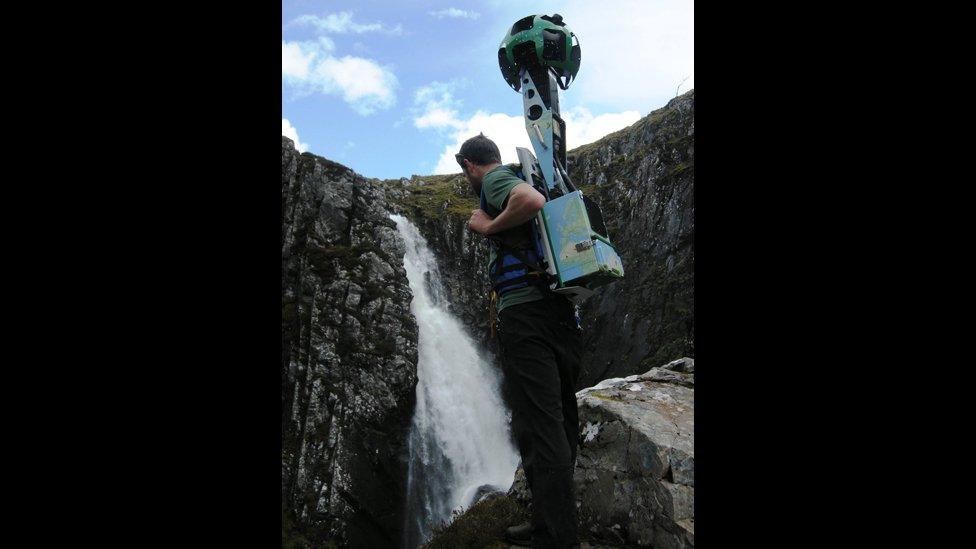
635	473
643	180
349	357
484	493
686	365
668	376
519	490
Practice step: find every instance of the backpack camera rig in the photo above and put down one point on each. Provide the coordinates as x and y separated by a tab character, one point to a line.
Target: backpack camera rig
538	56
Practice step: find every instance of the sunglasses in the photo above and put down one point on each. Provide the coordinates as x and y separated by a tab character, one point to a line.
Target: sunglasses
460	160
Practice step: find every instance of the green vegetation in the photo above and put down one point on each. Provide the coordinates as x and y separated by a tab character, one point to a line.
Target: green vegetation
676	327
682	166
589	190
603	396
481	526
291	536
433	196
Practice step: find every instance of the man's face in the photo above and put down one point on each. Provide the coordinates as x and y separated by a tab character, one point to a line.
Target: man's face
475	183
470	173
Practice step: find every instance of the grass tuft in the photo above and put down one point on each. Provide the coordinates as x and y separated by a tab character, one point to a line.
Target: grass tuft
481	526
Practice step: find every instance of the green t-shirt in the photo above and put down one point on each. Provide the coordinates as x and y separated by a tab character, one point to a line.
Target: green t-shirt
496	185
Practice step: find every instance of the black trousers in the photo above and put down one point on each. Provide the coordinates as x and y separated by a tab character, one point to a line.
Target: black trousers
540	346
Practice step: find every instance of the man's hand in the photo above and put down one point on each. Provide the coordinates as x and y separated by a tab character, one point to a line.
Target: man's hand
479	222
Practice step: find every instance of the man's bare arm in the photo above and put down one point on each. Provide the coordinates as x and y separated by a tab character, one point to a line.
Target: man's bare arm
523	203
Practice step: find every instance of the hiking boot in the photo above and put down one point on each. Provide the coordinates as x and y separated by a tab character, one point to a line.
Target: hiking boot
520	534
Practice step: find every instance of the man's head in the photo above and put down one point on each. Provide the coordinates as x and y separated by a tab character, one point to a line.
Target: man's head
478	156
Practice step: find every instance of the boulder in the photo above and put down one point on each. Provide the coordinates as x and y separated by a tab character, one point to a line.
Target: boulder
635	473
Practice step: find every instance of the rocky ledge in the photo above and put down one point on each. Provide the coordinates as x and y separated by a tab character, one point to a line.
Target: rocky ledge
635	474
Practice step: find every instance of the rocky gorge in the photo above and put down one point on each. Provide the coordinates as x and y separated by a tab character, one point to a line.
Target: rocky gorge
349	340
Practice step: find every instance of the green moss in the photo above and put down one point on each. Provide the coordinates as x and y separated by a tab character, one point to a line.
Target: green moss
288	309
682	139
675	331
291	536
682	166
604	396
482	526
589	190
433	196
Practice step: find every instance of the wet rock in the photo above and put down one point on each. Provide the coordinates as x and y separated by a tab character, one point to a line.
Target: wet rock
485	492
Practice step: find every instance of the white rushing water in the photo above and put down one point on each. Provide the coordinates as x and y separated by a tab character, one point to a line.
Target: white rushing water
459	438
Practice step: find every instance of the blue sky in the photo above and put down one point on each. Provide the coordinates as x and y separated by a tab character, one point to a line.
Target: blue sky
391	89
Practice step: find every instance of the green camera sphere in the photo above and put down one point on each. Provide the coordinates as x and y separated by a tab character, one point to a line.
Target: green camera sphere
539	42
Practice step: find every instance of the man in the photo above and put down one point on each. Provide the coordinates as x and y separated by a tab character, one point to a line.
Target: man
540	345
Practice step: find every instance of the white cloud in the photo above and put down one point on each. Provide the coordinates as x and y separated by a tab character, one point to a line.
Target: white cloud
291	132
295	63
437	106
508	132
342	23
310	67
297	57
365	85
437	118
582	127
455	14
635	61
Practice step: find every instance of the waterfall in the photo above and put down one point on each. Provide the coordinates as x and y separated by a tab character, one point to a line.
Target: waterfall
459	438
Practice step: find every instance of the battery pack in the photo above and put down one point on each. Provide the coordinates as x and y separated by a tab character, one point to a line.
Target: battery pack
578	256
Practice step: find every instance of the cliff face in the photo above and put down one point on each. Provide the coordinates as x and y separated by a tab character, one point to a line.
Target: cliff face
349	357
643	179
